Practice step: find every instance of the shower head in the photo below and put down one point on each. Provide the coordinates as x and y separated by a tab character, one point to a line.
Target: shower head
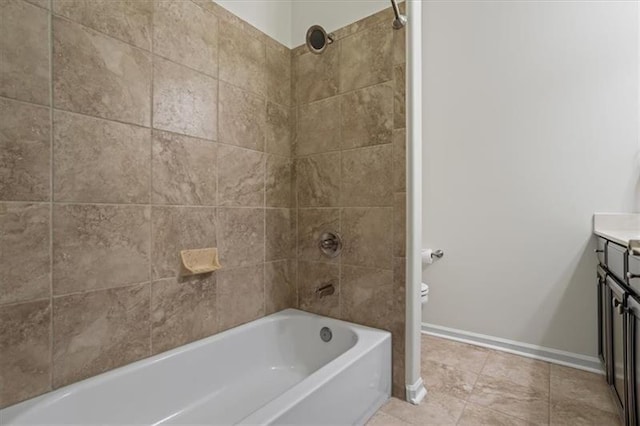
318	39
400	20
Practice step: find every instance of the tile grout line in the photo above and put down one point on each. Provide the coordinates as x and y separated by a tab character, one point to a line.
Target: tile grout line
464	407
150	50
466	400
394	212
22	101
151	95
264	211
512	382
340	202
335	151
264	180
219	16
124	205
102	33
489	407
126	123
293	140
217	177
381	410
340	93
51	178
151	126
51	202
24	302
364	23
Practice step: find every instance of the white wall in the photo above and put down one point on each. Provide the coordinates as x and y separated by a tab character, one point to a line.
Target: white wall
531	126
272	17
287	21
331	14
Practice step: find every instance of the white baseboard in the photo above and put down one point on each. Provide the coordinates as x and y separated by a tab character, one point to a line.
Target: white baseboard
555	356
416	392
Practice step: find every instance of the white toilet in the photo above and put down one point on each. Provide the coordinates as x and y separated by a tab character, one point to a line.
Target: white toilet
424	293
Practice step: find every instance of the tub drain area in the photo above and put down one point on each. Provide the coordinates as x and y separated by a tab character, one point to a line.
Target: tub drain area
326	334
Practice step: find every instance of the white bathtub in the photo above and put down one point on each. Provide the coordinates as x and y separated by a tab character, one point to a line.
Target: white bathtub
276	370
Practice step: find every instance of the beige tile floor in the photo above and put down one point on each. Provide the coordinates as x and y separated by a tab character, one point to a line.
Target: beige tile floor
470	385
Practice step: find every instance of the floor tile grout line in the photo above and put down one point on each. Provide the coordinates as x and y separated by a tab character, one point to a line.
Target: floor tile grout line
391	415
486	359
499	410
381	409
464	407
504	379
475	382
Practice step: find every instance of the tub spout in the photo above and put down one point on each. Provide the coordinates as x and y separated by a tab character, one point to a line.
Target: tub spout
326	290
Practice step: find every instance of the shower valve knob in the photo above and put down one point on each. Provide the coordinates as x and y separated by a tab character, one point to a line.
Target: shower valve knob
330	244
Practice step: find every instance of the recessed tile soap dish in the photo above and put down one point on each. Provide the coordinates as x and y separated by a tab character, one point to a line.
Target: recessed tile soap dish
199	261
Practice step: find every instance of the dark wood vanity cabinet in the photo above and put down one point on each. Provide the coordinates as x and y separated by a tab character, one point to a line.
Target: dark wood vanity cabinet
619	328
618	343
633	360
603	313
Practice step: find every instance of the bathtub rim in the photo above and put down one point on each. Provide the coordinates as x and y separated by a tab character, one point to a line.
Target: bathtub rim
364	336
279	405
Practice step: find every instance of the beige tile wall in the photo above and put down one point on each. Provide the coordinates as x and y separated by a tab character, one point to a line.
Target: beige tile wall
129	131
132	130
349	150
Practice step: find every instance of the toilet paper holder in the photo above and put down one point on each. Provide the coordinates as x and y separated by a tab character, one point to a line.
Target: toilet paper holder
429	255
437	254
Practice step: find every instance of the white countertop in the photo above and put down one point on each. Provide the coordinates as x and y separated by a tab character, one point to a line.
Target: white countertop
620	228
620	237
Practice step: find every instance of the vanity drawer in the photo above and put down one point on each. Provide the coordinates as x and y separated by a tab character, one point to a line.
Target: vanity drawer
634	273
616	255
601	246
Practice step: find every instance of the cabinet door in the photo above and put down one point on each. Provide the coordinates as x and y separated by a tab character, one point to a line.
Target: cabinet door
633	361
633	276
601	250
618	330
616	256
602	319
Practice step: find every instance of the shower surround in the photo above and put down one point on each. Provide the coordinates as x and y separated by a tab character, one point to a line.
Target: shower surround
132	130
349	149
